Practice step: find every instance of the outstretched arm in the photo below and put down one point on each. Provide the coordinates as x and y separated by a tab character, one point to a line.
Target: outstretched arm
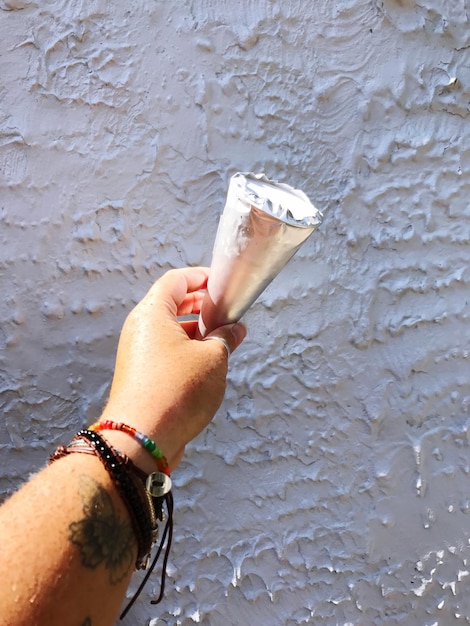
68	544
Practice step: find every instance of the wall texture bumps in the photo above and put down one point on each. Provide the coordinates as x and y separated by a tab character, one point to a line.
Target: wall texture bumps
332	487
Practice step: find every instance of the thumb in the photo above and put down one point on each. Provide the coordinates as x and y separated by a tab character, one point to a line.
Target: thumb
230	336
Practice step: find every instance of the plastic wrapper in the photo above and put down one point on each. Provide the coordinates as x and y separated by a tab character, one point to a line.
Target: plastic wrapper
262	226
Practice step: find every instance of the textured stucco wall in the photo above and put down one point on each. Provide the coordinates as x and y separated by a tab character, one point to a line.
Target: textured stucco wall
333	486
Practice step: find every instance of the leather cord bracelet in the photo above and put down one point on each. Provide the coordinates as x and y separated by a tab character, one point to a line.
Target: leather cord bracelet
134	495
143	496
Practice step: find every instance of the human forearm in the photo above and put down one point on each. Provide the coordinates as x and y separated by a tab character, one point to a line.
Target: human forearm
70	537
68	548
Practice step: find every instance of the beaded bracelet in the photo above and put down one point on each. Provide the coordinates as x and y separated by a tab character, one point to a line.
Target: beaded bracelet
144	441
133	484
133	493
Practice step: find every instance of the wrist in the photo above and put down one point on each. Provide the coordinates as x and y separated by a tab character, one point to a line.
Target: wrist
143	495
131	448
135	443
161	422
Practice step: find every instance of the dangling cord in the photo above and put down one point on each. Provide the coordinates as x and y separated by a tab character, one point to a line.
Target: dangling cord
167	531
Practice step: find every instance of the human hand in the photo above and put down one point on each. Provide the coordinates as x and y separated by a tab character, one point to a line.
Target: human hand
166	383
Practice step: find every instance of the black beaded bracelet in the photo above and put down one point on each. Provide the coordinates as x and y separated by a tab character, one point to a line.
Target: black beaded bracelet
124	475
135	496
143	496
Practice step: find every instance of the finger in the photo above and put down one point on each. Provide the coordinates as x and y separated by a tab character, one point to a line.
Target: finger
171	289
228	337
190	327
191	304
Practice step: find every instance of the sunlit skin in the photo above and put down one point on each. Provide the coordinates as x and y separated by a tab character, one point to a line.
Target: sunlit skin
68	551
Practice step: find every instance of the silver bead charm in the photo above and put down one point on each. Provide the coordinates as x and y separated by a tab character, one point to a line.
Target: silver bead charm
158	484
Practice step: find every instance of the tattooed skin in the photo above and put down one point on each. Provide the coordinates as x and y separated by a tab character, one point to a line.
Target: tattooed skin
101	536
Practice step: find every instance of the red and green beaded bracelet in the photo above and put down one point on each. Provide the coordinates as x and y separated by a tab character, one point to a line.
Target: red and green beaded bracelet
141	438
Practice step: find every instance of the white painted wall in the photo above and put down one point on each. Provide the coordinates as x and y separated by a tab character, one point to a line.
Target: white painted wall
333	486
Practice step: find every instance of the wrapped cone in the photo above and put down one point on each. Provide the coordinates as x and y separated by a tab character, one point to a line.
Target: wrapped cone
262	226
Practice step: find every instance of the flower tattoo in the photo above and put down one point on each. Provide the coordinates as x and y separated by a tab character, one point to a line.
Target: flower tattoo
101	536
